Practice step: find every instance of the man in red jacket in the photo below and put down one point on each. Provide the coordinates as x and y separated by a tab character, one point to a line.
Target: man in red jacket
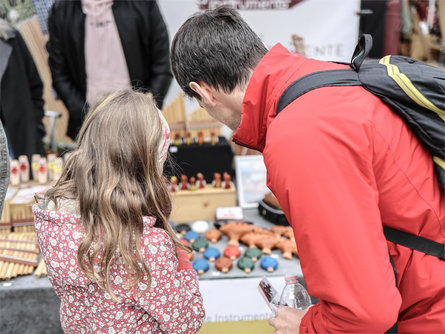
341	164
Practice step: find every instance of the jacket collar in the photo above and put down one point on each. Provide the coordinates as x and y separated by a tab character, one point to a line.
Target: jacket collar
270	78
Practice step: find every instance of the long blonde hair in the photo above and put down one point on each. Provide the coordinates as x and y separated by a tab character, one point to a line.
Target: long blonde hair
114	176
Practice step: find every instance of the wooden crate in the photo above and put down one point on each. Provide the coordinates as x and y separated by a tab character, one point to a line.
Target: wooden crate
200	204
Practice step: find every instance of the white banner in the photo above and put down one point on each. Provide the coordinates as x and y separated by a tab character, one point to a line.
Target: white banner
321	29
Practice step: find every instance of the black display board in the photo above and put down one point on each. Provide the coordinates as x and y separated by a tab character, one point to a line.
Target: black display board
206	159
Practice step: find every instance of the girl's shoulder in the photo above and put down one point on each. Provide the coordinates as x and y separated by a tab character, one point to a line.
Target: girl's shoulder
155	236
49	214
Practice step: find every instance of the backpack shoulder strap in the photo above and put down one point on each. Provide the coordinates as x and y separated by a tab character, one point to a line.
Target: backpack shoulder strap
415	242
346	77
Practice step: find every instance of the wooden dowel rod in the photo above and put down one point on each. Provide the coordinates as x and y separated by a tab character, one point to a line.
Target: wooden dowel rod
20	260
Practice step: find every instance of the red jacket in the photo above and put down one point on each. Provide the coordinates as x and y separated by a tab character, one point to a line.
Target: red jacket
342	164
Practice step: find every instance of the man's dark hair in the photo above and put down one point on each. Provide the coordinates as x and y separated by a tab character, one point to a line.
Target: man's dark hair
216	47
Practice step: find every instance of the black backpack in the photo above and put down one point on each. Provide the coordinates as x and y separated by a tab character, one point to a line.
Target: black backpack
414	90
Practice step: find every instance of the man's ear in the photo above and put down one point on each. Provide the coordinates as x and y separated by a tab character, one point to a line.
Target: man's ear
204	91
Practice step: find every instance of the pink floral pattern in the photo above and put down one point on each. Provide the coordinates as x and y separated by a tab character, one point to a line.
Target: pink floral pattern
171	304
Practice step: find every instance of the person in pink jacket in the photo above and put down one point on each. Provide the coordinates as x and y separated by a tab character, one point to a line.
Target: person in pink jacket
110	252
341	164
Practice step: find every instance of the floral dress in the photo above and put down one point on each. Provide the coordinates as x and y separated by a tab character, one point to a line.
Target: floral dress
171	304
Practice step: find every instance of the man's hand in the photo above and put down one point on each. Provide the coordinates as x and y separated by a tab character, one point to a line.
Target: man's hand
287	320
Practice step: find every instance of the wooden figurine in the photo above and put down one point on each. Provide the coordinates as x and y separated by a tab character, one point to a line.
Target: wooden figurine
14	177
188	138
200	139
177	140
213	138
287	247
35	165
192	183
173	184
217	180
268	243
227	180
24	168
201	181
42	176
184	182
235	229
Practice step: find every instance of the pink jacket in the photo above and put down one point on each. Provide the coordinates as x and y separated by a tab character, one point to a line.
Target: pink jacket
172	304
342	164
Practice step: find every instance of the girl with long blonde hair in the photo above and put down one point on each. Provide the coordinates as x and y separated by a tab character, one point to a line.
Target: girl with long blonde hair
110	252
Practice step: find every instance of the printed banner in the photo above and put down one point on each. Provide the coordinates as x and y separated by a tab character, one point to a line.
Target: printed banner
321	29
249	4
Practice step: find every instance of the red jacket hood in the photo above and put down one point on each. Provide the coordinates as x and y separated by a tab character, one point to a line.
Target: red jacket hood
277	70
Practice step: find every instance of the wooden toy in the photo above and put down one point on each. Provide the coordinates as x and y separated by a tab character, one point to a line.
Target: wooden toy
287	247
173	184
223	264
182	228
177	140
24	168
200	245
14	175
246	264
201	266
212	254
58	168
200	226
213	235
42	175
35	159
232	252
192	183
235	229
201	181
269	264
217	180
191	236
200	139
51	158
253	253
184	182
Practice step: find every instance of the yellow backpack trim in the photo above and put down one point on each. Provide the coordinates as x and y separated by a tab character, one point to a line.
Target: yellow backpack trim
407	86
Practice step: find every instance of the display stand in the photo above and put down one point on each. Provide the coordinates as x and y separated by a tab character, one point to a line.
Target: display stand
206	159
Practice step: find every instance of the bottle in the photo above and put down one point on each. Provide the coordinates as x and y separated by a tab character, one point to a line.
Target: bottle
294	294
